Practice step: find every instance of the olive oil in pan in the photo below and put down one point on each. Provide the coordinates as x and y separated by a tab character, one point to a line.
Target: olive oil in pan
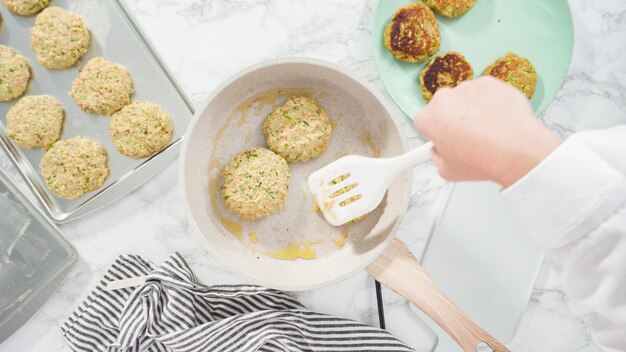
272	97
366	138
252	237
295	250
248	136
340	242
233	227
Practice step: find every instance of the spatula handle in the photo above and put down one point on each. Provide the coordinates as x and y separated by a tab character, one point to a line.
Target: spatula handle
399	270
411	158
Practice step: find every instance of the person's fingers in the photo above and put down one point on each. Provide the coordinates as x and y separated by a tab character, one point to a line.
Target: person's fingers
441	94
434	154
492	86
428	120
440	164
492	83
423	122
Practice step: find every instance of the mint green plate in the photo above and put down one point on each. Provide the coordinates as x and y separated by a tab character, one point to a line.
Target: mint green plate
540	30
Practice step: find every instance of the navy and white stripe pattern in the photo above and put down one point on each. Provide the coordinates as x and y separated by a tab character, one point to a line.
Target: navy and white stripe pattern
173	312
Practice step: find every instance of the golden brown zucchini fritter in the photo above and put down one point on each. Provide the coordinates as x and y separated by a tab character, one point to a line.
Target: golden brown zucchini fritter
516	70
444	71
413	34
450	8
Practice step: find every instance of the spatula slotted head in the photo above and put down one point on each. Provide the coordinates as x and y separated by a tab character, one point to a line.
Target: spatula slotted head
348	188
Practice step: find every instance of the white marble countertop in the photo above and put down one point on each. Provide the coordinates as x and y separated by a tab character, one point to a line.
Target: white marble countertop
205	41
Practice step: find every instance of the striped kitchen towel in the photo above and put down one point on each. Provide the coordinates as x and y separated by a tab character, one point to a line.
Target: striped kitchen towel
171	311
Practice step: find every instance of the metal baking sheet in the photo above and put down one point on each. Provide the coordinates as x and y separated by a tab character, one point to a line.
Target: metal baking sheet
116	37
34	258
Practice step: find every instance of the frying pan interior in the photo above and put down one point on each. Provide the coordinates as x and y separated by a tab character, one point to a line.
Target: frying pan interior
294	249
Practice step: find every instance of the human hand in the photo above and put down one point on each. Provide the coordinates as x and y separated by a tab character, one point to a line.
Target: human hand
484	129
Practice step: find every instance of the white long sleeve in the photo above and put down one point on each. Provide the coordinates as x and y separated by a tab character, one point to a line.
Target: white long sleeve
574	205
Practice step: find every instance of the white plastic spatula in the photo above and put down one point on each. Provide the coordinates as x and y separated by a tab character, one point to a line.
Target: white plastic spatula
355	185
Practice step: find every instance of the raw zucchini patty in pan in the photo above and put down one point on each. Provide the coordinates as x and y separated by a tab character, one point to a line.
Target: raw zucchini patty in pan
255	183
299	130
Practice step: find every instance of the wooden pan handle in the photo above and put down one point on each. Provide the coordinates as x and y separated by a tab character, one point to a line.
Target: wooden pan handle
398	269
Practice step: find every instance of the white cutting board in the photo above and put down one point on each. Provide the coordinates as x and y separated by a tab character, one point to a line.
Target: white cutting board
483	260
